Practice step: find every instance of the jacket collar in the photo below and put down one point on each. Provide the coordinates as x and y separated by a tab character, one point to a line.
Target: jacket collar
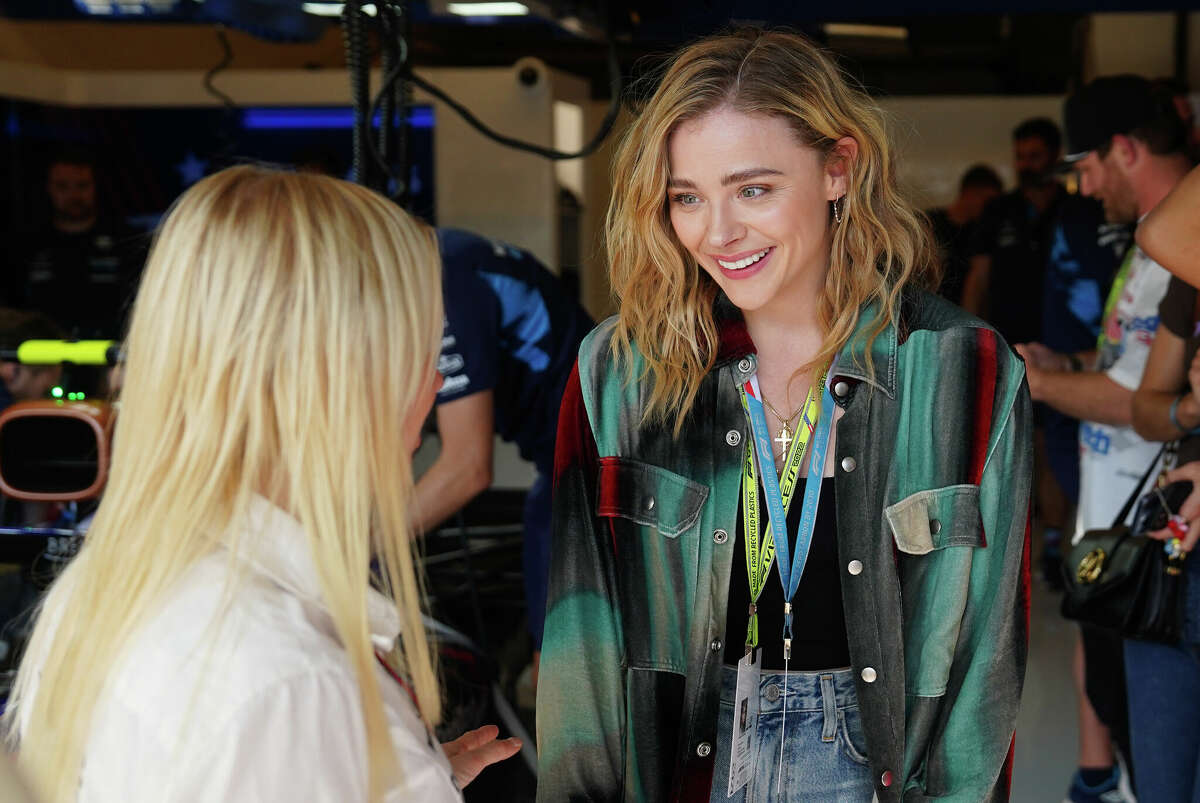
875	365
274	544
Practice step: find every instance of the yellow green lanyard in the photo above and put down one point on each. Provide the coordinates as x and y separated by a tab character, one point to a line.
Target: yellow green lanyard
759	558
1114	295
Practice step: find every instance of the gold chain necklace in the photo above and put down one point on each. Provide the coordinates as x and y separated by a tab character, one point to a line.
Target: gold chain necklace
786	433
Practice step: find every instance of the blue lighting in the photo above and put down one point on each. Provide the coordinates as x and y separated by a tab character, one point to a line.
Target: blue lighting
277	119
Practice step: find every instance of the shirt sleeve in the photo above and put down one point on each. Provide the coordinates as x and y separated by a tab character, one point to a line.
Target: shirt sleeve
470	357
1139	335
1177	312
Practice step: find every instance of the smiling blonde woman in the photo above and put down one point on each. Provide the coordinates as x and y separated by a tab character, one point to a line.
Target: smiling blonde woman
219	637
775	361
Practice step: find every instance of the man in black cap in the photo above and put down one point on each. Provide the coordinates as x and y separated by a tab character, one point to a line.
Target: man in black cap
1129	150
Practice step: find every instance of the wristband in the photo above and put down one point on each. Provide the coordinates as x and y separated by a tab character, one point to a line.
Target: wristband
1173	414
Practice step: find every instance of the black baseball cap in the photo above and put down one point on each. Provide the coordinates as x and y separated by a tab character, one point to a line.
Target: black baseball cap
1114	104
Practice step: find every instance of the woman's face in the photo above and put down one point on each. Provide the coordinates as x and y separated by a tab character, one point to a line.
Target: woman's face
751	204
421	407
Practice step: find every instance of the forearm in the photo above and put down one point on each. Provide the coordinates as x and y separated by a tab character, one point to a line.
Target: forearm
1152	414
1170	234
445	489
1087	395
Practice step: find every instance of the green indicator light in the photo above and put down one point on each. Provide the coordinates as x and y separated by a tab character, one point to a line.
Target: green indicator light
81	396
56	392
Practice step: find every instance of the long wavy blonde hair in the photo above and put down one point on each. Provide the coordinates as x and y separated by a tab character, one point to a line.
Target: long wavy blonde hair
666	299
284	324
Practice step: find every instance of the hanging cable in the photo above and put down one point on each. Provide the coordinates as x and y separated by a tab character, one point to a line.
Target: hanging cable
376	154
225	131
606	125
390	58
354	33
402	95
226	60
391	153
403	69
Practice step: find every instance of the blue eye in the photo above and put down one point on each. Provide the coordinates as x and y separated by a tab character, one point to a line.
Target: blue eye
685	199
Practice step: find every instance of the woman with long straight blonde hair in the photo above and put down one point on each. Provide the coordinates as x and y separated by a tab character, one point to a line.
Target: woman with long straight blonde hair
219	636
792	487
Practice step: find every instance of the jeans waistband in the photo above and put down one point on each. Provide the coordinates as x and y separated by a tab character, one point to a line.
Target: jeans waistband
827	690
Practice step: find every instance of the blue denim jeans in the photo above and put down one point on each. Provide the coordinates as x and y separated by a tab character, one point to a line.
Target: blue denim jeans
1164	707
824	751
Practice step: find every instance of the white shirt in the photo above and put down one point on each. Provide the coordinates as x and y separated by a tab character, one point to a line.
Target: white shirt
263	706
1113	459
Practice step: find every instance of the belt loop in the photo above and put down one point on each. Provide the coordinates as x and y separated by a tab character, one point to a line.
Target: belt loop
829	704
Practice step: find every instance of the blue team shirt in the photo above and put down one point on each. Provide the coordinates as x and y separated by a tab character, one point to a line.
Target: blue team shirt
511	329
1084	255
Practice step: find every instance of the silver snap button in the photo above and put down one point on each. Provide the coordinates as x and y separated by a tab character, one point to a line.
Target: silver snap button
935	526
841	389
885	780
650	503
744	365
733	437
854	567
848	464
772	693
703	749
869	674
716	645
720	536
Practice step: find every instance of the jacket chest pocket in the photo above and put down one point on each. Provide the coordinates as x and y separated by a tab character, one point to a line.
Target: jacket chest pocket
653	516
937	533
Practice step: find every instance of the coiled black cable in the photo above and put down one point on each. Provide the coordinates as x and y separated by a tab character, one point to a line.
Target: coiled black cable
606	125
395	95
354	32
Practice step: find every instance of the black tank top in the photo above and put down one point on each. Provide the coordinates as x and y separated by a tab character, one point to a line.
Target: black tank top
818	619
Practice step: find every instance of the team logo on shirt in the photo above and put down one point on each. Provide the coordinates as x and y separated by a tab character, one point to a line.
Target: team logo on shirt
453	383
1093	438
450	364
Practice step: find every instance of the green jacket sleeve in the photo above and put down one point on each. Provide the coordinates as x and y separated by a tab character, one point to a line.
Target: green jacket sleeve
581	695
969	757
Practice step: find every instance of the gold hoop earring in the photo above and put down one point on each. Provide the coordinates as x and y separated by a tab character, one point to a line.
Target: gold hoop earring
837	211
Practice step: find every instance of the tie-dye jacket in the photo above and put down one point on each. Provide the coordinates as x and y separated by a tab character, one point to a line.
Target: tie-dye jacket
933	482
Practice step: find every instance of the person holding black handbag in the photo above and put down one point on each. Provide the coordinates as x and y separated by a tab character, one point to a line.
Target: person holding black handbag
1164	679
1125	145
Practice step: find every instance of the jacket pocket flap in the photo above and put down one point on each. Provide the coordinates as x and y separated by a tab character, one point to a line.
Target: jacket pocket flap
648	495
936	519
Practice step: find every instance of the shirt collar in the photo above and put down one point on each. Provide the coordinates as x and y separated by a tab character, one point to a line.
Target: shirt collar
875	365
274	544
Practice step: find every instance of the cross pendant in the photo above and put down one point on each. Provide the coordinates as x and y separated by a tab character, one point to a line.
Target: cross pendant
785	437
